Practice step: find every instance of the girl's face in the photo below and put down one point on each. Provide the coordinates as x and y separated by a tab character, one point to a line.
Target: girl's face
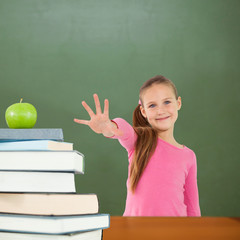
160	107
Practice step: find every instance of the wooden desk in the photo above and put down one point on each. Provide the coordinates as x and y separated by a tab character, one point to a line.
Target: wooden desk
169	228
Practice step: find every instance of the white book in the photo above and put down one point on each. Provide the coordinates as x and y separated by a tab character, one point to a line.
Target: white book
91	235
36	182
59	161
53	224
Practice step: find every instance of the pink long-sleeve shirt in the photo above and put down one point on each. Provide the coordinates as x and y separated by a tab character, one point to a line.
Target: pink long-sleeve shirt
168	185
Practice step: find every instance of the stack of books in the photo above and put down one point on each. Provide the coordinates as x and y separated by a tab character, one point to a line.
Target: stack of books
38	198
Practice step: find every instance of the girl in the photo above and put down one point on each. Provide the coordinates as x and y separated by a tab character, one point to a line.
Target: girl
162	176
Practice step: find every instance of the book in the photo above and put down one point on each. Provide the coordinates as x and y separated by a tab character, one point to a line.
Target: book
35	145
59	161
53	224
48	204
14	181
91	235
9	134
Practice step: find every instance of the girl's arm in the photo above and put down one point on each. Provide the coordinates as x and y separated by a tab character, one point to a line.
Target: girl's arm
128	137
191	197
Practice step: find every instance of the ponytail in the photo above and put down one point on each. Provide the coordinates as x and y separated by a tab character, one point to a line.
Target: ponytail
144	147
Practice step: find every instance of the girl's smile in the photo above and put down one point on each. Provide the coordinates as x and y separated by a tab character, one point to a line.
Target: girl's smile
160	119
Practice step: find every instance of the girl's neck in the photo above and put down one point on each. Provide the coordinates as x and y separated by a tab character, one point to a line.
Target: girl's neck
172	142
168	137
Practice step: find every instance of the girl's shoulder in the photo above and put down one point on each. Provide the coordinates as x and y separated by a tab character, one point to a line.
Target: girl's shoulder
190	152
191	157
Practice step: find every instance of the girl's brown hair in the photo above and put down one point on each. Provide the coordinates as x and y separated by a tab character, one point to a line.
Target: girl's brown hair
146	136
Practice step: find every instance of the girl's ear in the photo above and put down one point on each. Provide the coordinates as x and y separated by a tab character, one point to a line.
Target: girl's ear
143	112
179	103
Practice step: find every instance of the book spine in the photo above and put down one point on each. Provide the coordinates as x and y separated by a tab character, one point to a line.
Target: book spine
34	134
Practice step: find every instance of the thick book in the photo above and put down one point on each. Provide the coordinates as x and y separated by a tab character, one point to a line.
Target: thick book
59	161
48	204
91	235
9	134
13	181
53	224
35	145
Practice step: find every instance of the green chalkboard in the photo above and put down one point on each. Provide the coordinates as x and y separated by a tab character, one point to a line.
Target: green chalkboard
54	54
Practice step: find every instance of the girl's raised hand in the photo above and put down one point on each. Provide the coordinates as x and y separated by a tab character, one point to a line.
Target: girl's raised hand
100	122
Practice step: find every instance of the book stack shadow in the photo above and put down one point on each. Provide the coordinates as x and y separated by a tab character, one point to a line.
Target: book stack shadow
38	198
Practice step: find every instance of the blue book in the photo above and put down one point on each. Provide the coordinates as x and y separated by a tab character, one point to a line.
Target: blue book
9	134
53	224
35	145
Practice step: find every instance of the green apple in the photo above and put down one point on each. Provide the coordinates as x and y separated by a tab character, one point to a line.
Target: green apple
21	115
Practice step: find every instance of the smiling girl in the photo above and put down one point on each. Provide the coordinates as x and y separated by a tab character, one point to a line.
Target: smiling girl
162	176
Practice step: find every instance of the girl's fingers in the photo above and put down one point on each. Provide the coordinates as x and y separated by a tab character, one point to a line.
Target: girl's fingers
88	109
81	121
97	104
106	108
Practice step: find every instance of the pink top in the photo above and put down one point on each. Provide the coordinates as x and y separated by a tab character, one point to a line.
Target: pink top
168	185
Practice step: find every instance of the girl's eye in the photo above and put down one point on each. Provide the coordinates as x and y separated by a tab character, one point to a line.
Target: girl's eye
152	105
